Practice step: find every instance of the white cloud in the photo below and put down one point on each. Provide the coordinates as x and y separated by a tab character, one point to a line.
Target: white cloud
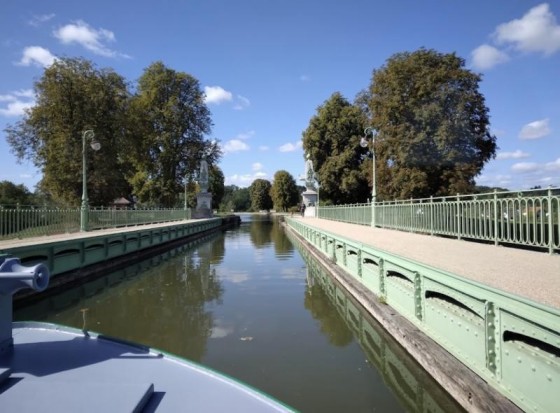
535	130
244	180
17	102
16	108
518	154
536	31
240	180
242	103
525	167
257	166
216	94
235	145
263	148
40	19
486	57
494	180
83	34
36	55
290	147
245	135
553	166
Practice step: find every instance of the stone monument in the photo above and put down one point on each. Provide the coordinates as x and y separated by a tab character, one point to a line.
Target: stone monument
310	196
203	198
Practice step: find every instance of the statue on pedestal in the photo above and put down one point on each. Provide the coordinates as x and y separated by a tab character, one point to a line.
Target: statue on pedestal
203	198
203	176
309	175
310	196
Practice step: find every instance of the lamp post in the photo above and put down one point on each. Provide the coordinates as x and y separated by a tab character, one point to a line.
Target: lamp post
364	143
95	145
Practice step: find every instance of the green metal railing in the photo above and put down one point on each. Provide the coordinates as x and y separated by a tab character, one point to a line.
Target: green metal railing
29	221
529	218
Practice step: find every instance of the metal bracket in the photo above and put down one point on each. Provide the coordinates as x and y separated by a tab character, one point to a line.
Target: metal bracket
490	320
418	295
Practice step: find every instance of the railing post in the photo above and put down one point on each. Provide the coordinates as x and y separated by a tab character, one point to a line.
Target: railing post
431	215
411	216
458	217
18	214
550	227
495	216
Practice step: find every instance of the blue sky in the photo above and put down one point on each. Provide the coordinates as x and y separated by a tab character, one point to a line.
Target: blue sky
266	65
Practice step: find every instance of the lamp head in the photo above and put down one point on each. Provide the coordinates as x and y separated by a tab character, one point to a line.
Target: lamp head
363	142
95	145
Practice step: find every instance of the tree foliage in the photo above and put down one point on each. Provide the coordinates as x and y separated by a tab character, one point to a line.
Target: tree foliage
216	185
235	199
72	96
332	141
284	191
12	194
151	142
433	125
170	120
260	195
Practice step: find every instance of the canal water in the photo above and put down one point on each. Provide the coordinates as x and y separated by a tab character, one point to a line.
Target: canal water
250	303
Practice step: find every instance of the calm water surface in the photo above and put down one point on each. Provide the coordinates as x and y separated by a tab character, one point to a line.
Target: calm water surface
250	304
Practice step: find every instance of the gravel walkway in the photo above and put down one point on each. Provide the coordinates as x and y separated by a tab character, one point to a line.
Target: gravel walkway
529	274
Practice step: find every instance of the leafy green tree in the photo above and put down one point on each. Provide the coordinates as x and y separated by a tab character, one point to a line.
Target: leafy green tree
71	97
332	140
481	189
12	194
433	125
242	200
226	205
260	195
170	120
284	191
216	185
235	199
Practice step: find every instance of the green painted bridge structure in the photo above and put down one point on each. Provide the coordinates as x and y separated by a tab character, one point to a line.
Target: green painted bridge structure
77	250
495	309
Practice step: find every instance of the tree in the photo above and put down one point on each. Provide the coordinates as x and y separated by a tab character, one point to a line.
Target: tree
12	194
72	96
260	195
242	200
216	185
332	140
433	125
235	199
284	191
170	119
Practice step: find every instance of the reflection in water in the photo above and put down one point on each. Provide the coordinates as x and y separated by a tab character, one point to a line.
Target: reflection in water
265	230
239	302
323	309
153	302
416	390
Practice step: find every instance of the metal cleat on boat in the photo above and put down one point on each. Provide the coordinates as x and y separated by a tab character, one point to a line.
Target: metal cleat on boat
15	277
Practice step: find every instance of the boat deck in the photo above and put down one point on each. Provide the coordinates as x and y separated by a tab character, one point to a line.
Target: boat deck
59	369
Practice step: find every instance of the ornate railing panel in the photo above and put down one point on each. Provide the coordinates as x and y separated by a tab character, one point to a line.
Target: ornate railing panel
25	222
530	218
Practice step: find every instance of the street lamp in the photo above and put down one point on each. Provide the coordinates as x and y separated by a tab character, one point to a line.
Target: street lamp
364	143
95	145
